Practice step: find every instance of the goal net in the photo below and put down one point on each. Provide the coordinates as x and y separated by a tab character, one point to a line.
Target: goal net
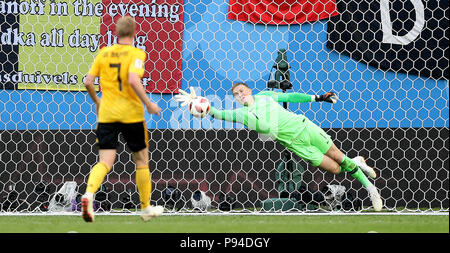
386	60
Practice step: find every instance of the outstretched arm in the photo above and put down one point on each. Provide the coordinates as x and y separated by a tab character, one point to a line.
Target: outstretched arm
329	97
297	97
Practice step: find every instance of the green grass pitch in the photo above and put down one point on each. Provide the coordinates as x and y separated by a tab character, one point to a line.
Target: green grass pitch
228	224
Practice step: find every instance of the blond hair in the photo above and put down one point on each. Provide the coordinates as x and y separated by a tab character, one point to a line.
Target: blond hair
236	85
125	27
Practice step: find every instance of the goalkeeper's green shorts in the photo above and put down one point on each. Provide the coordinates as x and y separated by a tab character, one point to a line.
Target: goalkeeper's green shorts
311	144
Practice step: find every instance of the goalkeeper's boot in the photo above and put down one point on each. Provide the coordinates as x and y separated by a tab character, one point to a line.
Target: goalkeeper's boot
361	163
377	203
87	209
151	212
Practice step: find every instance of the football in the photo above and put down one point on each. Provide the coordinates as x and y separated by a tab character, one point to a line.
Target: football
199	107
200	201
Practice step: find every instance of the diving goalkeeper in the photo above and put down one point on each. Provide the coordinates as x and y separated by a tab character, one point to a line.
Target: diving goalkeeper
262	112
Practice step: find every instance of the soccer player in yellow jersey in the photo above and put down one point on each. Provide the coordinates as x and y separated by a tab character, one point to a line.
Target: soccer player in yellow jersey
120	110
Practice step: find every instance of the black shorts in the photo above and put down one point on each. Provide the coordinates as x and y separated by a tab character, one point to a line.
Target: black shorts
135	135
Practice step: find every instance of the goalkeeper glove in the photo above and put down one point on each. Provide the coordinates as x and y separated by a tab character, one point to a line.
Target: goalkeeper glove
185	98
329	97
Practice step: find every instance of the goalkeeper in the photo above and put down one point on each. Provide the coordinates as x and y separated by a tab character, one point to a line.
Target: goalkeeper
262	112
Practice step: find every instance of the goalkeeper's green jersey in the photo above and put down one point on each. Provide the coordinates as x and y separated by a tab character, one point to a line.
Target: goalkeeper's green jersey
267	116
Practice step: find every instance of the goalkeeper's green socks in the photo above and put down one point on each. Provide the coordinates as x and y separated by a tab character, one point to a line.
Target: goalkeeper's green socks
144	185
98	173
350	166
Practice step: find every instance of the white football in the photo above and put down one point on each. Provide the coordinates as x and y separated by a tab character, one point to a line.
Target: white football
199	107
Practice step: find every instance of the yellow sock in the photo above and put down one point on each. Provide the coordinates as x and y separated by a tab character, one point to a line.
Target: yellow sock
144	185
96	177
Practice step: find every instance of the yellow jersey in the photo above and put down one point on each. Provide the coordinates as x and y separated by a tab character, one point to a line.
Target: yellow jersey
119	101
